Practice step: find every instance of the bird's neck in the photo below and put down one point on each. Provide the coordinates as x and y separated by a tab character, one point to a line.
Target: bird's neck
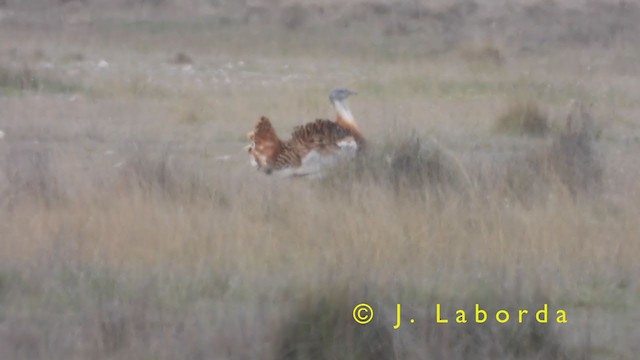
344	114
346	120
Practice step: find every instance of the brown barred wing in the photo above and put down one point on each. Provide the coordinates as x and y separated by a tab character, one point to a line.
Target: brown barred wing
288	157
321	135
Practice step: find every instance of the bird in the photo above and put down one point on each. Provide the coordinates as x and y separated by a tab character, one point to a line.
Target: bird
312	148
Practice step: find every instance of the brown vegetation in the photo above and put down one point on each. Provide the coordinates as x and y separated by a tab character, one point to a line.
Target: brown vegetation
523	118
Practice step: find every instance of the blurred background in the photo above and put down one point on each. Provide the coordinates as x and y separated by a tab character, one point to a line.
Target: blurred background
502	171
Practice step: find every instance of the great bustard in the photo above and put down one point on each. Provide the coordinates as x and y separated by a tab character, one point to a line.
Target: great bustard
313	146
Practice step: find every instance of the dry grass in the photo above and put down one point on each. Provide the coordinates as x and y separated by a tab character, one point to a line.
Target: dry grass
487	53
405	166
133	227
26	79
204	266
571	160
318	329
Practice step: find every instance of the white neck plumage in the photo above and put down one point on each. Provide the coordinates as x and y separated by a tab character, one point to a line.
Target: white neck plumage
344	112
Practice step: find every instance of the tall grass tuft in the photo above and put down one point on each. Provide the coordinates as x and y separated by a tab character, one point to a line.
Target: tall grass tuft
30	176
322	327
408	165
523	118
574	155
159	173
570	160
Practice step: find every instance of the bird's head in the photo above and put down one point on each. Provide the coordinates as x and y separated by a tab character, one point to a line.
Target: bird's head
340	94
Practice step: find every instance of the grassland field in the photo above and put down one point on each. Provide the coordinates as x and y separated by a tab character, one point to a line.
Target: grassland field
503	171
